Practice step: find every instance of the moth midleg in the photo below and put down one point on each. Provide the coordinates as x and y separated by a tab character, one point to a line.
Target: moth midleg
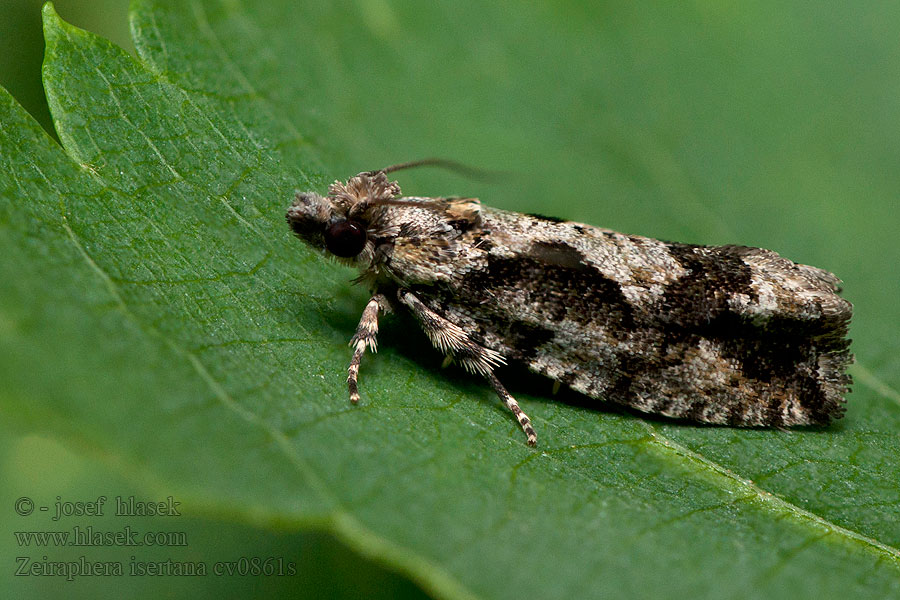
512	405
453	340
365	335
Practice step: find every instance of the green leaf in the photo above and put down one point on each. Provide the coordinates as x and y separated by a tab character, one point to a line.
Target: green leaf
156	311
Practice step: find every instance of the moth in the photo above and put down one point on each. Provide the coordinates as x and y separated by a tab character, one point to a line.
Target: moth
728	335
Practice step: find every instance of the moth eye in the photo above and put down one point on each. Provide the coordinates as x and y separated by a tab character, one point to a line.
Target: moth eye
345	238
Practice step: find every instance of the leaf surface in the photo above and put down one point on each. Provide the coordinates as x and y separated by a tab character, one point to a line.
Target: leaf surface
158	311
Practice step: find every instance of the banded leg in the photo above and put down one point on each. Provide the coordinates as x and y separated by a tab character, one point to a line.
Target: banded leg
512	405
453	341
365	336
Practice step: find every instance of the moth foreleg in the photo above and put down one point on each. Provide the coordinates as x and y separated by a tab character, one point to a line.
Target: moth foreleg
452	340
365	335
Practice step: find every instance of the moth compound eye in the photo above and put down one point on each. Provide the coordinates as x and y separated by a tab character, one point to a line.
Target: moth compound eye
345	238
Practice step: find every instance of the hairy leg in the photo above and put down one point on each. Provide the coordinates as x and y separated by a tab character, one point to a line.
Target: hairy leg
364	337
452	340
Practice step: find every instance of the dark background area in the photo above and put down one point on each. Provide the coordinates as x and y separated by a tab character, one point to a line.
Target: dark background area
22	43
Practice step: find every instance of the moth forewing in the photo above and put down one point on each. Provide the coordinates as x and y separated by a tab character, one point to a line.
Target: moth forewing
726	335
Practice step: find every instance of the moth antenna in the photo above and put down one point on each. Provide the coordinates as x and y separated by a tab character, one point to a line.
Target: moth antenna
451	165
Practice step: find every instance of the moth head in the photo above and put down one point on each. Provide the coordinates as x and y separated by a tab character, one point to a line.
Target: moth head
341	221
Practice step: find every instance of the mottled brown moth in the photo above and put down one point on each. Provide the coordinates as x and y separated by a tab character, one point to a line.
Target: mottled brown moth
727	335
